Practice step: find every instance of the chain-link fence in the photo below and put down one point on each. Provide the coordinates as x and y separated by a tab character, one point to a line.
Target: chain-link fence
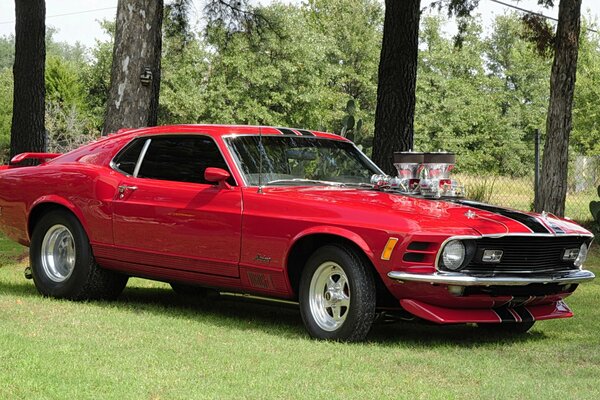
518	193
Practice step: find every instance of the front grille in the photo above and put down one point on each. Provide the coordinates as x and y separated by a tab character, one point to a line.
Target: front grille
523	255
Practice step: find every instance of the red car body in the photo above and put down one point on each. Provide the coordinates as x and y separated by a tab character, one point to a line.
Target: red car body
237	237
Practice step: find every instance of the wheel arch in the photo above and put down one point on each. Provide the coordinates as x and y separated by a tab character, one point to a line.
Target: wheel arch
47	203
306	243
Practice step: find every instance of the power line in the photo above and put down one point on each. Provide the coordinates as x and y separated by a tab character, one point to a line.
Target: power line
532	12
66	14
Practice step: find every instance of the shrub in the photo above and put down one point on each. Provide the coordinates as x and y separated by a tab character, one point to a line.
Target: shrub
481	190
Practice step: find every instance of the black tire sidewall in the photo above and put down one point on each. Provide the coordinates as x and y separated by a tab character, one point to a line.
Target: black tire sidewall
70	287
361	312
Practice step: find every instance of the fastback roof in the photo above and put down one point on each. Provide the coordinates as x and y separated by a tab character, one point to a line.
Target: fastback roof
223	130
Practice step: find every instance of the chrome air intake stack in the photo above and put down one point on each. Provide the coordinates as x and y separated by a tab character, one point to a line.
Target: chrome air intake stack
409	165
435	176
423	174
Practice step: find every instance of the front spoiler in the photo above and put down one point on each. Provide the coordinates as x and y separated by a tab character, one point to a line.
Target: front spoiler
458	279
443	315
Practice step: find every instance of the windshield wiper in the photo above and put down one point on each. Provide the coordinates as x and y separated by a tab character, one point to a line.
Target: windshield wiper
301	181
358	184
318	182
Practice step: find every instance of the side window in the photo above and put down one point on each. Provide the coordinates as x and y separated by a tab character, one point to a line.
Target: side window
127	158
181	159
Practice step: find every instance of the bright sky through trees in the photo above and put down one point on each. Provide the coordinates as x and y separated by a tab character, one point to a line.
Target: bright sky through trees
80	24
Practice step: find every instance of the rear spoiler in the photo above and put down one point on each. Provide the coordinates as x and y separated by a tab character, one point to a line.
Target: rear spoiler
33	156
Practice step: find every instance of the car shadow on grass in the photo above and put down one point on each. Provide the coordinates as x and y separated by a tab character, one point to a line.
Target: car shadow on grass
283	319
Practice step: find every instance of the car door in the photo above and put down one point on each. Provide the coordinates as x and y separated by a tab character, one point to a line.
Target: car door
166	215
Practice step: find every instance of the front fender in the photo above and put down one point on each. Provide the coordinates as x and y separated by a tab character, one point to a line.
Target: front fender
336	231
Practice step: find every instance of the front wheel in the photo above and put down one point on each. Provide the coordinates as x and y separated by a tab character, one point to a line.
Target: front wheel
62	262
337	294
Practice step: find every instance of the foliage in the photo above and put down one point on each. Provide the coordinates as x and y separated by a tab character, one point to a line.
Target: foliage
7	51
481	191
349	121
269	78
461	107
95	76
585	136
63	83
176	22
6	91
67	128
483	100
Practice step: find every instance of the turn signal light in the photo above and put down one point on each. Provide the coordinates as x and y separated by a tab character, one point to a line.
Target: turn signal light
389	248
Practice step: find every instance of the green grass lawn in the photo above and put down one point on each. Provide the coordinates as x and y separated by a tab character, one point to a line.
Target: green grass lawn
151	344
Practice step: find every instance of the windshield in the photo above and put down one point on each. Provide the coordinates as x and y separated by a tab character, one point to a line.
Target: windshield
300	160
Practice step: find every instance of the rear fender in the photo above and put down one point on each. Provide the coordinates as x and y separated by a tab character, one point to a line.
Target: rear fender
58	200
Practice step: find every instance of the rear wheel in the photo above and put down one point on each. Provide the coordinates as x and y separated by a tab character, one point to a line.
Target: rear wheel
62	263
508	328
337	294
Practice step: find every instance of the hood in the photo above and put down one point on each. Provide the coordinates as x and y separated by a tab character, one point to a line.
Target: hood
390	209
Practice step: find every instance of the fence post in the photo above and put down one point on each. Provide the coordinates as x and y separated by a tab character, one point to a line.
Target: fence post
537	165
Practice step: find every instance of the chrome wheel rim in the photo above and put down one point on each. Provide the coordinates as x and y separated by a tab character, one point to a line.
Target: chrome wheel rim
329	296
58	253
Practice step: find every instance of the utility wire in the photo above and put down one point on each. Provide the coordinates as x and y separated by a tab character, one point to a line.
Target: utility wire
66	14
532	12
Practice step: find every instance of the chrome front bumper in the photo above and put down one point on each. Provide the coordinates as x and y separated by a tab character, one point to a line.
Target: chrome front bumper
458	279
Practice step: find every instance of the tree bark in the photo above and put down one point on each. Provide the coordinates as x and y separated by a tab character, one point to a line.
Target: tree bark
137	48
394	116
27	133
553	180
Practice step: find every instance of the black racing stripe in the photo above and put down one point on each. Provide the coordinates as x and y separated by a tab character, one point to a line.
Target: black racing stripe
505	315
305	132
527	220
286	131
557	229
524	314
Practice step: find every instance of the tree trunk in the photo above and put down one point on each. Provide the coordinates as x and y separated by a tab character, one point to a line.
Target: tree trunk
133	103
27	133
553	179
394	117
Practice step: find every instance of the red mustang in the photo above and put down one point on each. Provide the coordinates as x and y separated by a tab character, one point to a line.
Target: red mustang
283	213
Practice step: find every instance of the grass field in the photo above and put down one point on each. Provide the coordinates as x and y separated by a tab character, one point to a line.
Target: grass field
150	344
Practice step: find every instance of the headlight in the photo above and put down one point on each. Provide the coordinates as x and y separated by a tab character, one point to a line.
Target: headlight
453	255
583	252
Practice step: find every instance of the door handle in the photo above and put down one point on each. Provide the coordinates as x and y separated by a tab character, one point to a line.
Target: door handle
124	188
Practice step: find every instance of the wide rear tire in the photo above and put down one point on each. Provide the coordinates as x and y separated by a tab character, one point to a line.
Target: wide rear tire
337	294
62	262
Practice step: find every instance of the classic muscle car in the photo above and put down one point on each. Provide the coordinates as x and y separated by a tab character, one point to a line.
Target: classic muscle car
288	214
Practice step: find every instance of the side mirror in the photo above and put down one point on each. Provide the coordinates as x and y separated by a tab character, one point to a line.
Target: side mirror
217	175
